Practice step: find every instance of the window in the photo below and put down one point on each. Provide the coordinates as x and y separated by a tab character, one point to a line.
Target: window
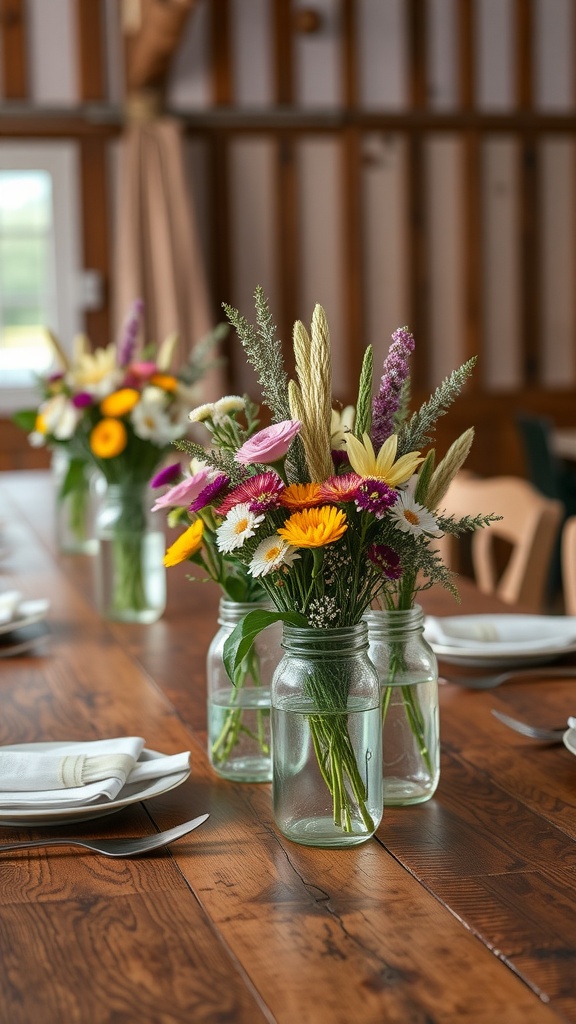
39	263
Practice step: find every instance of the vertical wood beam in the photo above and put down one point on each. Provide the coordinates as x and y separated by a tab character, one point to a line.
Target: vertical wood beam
90	42
14	56
529	199
472	211
95	240
287	231
466	54
417	247
221	53
417	54
352	262
283	50
524	54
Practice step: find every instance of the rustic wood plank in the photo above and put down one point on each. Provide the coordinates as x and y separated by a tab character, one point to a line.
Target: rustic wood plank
95	240
14	50
90	42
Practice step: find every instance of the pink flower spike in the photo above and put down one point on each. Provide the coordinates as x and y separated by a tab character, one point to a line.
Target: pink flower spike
182	494
270	444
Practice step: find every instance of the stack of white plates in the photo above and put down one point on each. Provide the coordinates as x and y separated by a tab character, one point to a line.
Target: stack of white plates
492	640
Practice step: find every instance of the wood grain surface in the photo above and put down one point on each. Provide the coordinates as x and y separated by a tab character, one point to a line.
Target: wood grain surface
460	910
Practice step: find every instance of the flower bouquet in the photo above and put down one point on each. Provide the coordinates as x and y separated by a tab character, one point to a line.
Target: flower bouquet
239	714
327	510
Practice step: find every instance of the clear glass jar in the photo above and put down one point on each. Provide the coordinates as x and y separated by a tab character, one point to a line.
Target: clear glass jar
326	738
239	712
75	487
408	674
129	564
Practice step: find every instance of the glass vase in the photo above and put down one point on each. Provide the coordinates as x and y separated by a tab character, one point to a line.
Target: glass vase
326	738
408	673
75	487
239	712
129	565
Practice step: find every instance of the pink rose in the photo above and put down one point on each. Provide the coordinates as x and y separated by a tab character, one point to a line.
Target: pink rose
184	493
270	444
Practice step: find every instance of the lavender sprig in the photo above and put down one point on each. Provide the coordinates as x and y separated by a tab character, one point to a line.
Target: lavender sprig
129	335
387	401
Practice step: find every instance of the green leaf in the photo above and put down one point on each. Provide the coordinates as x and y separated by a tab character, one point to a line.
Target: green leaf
75	479
238	644
25	419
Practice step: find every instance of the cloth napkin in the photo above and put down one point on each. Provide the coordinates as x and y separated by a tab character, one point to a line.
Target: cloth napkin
502	632
78	774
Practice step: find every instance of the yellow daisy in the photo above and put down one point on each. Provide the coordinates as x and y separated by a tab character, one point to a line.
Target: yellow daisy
108	438
40	425
365	462
120	402
314	527
187	544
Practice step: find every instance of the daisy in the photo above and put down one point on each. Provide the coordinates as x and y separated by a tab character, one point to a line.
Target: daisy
365	462
260	493
340	488
298	496
411	517
270	555
152	423
314	527
238	526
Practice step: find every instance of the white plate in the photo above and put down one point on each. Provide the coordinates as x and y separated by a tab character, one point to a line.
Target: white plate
29	612
523	640
138	791
569	738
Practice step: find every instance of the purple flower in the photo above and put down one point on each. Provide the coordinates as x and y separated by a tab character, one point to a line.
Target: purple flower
129	335
209	493
166	475
386	403
386	559
82	399
374	496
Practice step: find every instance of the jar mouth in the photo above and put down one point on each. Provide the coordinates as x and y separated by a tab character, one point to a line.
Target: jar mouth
231	612
338	641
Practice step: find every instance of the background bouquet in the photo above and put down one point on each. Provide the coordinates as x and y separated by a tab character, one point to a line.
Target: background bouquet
328	509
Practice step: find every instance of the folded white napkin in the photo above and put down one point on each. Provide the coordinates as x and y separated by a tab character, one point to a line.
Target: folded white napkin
78	774
502	632
9	602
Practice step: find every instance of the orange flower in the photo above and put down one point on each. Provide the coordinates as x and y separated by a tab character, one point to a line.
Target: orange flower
314	527
120	402
108	438
187	544
164	381
298	496
40	425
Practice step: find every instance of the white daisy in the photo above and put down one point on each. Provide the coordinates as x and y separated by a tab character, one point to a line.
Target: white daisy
151	423
271	554
411	517
201	412
60	417
228	404
239	524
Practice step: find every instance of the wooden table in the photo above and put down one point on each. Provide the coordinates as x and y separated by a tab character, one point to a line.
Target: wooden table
462	909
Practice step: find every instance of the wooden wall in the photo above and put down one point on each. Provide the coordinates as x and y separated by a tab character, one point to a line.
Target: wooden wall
446	201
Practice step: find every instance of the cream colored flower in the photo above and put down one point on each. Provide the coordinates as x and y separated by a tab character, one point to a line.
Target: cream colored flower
95	372
201	413
383	466
342	422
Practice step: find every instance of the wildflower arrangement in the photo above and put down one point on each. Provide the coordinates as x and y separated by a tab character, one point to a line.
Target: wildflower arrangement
328	509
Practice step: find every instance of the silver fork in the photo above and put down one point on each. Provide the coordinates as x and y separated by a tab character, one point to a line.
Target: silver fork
115	847
490	682
535	732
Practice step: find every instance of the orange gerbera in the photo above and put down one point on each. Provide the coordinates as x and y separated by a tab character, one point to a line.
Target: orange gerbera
164	380
187	544
298	496
108	438
314	527
120	402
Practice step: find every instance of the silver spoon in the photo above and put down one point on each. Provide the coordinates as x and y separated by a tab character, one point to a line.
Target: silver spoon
535	732
490	682
116	847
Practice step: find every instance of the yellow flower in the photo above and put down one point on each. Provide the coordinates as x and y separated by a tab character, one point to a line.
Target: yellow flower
120	402
40	425
365	462
165	381
314	527
108	438
298	496
187	544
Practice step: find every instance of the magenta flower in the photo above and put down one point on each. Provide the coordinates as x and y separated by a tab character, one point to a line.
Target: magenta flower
182	494
375	496
340	488
260	493
129	336
166	475
387	402
82	399
270	444
208	493
386	559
